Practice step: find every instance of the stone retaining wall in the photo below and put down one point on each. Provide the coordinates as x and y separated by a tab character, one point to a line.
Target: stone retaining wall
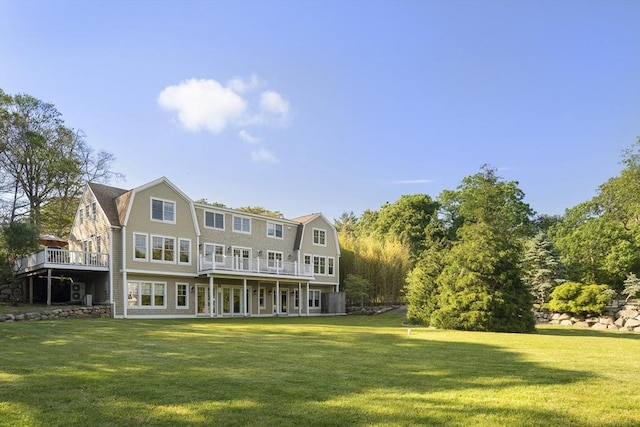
625	319
74	312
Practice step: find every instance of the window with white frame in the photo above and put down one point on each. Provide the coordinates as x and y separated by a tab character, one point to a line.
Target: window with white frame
214	220
307	264
274	259
147	294
241	224
163	210
319	264
262	297
296	298
81	216
94	211
214	253
330	266
314	298
182	295
163	249
87	246
319	237
184	248
86	211
140	246
99	244
274	230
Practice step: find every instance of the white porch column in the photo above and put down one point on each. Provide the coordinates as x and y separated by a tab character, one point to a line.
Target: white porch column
48	287
307	299
278	297
299	299
212	298
244	297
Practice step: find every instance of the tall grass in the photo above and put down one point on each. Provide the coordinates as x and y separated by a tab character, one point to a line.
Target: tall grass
328	371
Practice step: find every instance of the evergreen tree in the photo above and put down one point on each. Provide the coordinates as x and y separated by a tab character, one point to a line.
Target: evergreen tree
631	286
542	268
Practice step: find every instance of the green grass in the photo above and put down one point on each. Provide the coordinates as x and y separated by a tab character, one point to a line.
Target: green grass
330	371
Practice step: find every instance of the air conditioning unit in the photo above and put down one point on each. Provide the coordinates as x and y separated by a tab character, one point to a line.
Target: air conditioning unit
77	292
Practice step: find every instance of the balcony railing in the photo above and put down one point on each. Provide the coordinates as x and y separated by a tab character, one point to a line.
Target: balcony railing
210	263
53	257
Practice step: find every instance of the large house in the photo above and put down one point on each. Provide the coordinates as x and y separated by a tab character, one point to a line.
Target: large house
153	252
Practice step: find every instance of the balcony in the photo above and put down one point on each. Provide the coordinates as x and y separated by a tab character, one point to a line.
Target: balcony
63	258
253	266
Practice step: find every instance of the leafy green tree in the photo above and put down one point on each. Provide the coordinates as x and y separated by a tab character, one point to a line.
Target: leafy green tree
18	239
357	288
480	287
631	286
346	223
579	299
41	159
542	268
261	211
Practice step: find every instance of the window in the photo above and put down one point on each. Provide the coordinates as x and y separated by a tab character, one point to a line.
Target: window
162	210
314	298
274	259
140	246
81	216
319	237
98	244
86	211
296	298
87	246
146	294
214	252
163	248
262	297
241	224
94	212
182	295
319	264
307	264
214	220
274	230
184	246
330	266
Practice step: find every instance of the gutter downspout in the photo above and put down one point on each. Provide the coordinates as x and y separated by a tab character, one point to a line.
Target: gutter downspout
111	252
124	272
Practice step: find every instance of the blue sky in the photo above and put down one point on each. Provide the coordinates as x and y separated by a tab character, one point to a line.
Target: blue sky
307	106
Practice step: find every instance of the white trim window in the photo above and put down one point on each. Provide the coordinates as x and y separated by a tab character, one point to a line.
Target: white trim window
308	266
140	247
319	237
262	298
182	295
314	298
319	265
94	211
184	254
214	252
81	216
147	294
274	230
331	261
241	224
214	220
163	249
296	298
274	259
163	210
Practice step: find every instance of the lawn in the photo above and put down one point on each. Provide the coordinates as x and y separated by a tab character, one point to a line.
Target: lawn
325	371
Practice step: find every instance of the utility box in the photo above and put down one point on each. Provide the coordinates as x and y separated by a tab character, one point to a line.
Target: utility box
333	303
88	300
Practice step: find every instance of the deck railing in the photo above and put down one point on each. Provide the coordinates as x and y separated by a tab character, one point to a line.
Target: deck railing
62	257
253	265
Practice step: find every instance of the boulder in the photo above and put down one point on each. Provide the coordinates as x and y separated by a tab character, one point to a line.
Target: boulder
606	320
566	322
599	326
628	314
613	327
581	325
631	323
564	316
619	322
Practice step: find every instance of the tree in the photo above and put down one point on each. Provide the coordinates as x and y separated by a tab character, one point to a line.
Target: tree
357	288
18	238
542	268
480	287
631	286
42	160
577	298
261	211
346	223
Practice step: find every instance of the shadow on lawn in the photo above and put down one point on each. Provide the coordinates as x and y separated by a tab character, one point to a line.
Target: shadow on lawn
195	373
578	332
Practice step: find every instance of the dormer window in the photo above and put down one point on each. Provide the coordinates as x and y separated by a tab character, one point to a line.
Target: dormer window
274	230
163	210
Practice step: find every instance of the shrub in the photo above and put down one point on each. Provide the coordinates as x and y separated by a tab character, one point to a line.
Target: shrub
577	298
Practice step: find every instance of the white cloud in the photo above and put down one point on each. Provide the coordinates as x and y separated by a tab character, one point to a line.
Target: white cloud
274	105
263	156
412	181
203	104
247	137
239	85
